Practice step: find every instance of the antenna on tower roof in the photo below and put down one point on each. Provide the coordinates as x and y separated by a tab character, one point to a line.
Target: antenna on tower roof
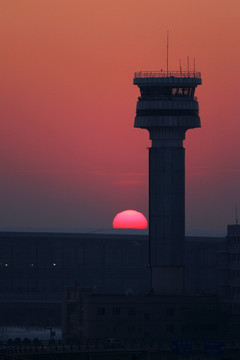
180	66
236	211
188	65
194	66
167	49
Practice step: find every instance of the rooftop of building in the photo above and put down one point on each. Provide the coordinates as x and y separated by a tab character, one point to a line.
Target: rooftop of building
178	78
123	235
166	74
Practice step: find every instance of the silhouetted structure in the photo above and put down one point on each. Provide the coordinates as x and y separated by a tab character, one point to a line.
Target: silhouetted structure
138	318
43	264
229	278
167	108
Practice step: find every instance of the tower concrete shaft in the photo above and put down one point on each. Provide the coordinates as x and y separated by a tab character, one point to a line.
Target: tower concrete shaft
167	108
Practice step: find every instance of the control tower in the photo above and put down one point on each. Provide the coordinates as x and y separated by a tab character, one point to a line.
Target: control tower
167	108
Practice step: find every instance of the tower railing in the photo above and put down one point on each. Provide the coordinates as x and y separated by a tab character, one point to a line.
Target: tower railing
167	74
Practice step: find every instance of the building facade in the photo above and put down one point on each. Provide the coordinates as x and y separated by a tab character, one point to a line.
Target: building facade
135	319
35	269
229	270
46	263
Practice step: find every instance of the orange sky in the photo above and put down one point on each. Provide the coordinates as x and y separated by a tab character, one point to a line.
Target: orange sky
69	154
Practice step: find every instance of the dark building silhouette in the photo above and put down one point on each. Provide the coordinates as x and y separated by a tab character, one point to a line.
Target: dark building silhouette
39	264
229	276
35	268
167	108
135	319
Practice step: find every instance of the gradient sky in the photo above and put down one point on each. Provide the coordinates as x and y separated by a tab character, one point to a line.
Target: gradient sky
69	154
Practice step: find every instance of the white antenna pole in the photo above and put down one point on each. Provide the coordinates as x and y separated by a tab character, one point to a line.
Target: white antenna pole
236	215
167	49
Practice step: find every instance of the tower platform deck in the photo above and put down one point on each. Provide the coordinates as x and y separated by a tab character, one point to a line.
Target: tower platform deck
167	77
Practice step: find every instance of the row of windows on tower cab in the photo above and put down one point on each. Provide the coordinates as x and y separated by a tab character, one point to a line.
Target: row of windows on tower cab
166	91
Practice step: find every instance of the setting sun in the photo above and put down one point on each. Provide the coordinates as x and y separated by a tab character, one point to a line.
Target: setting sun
129	219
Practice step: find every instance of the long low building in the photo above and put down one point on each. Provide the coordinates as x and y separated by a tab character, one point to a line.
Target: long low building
46	263
36	267
138	318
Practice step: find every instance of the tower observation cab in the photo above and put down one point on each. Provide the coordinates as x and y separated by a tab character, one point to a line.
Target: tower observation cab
167	108
167	100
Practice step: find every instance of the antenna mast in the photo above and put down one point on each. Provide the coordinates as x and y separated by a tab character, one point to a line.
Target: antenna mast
180	66
236	210
167	50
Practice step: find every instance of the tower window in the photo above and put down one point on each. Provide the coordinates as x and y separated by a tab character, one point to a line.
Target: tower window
178	91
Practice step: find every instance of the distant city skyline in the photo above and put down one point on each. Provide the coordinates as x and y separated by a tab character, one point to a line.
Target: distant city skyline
70	157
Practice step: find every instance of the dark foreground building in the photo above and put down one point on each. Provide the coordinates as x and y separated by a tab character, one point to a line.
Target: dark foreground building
138	318
35	268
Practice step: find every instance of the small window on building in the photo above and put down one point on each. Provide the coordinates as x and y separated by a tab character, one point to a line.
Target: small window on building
180	91
131	328
101	311
146	316
170	311
115	331
80	255
131	311
170	328
147	334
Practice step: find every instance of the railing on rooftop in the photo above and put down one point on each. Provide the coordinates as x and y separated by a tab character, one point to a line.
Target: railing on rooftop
167	74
